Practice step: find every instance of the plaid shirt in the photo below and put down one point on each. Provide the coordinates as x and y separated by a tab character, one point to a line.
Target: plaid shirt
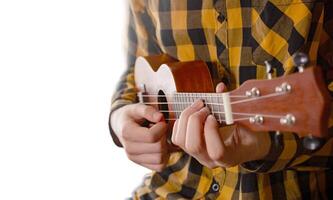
234	38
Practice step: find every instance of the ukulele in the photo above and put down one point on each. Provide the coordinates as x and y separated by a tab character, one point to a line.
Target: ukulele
296	103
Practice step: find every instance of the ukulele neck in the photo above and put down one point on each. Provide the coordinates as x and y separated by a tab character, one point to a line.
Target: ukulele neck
218	103
212	100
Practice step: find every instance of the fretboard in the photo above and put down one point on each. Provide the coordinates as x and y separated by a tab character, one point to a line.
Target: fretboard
213	101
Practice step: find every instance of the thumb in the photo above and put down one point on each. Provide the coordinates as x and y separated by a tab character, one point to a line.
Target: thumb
221	87
141	111
159	129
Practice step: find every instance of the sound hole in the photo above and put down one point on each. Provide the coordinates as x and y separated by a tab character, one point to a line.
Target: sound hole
163	106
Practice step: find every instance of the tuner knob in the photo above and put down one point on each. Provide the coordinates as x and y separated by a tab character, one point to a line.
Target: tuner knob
300	60
312	143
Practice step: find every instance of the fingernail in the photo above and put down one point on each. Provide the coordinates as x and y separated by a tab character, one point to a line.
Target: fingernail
197	104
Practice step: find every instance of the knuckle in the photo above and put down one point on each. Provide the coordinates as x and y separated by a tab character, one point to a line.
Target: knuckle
147	111
158	159
176	142
181	143
225	164
211	165
159	146
210	123
194	149
126	133
152	138
217	155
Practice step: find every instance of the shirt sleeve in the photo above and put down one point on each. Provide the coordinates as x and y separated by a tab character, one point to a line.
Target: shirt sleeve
141	41
287	150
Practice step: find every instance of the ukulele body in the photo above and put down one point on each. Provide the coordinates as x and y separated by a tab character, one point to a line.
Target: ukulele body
162	75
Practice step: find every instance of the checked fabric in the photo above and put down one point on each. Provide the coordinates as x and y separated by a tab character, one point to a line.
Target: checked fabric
234	38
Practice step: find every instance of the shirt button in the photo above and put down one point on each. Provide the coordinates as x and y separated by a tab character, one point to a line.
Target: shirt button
220	18
215	187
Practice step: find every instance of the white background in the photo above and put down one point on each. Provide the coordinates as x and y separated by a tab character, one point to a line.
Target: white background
59	63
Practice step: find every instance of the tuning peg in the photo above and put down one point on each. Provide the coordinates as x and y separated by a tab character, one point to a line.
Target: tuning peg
312	143
300	60
269	70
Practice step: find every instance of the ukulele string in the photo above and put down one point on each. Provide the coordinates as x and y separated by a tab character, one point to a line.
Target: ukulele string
218	104
179	103
234	113
219	120
231	102
193	95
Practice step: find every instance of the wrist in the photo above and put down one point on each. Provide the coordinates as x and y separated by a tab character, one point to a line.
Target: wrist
263	145
257	144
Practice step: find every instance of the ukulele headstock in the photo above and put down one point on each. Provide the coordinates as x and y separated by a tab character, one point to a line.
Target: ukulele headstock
294	103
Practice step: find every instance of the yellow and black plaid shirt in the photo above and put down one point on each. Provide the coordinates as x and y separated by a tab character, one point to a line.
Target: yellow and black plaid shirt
234	38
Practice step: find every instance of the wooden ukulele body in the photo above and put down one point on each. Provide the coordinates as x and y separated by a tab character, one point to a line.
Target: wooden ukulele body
161	75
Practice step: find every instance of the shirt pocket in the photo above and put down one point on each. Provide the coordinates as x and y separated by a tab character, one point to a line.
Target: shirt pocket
279	28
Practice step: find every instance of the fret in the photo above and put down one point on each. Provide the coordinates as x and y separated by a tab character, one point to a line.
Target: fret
215	107
185	101
175	106
178	105
195	97
181	99
213	97
192	99
211	106
219	100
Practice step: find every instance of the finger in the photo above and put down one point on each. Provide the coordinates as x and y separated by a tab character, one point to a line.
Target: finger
221	87
214	142
208	163
135	133
174	131
172	147
150	113
195	141
194	138
135	148
181	129
154	158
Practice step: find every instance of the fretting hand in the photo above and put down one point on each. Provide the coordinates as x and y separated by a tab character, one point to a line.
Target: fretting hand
197	132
